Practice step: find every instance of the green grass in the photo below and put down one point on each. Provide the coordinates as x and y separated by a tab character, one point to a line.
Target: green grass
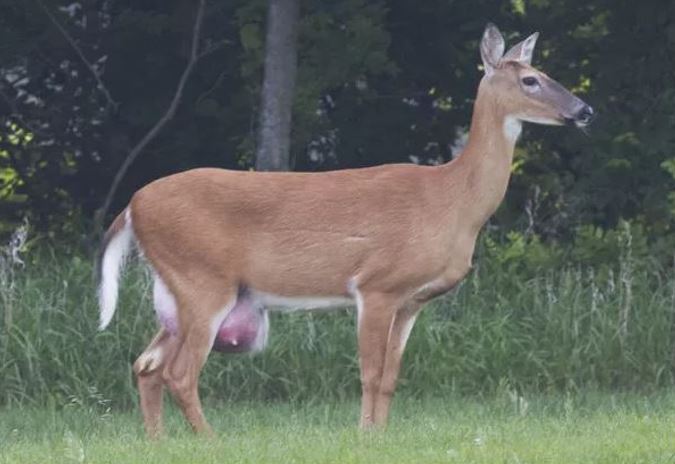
555	331
590	428
498	372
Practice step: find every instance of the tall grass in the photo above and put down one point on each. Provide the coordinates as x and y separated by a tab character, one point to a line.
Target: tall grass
558	330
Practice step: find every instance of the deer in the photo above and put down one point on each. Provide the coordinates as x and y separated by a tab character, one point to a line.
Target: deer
225	247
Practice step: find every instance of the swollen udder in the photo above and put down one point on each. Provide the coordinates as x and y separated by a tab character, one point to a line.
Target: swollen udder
244	329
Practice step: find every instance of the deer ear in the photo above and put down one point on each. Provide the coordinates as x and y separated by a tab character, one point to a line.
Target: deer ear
522	51
491	48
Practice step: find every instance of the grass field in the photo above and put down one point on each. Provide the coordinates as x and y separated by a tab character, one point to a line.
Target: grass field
67	393
567	329
590	428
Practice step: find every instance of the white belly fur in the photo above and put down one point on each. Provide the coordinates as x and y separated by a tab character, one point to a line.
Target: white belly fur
278	302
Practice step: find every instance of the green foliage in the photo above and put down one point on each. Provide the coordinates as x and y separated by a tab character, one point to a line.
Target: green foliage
378	82
537	329
13	140
518	252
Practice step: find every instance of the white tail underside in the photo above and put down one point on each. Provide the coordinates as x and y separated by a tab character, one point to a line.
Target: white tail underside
113	259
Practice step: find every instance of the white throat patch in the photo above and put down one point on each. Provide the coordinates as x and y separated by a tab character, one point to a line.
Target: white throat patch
512	128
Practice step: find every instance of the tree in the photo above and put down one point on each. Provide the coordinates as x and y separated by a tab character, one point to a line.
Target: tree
281	51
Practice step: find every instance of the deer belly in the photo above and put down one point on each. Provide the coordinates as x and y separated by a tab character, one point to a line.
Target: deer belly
244	329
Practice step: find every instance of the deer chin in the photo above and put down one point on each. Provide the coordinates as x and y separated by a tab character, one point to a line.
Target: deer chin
579	124
559	121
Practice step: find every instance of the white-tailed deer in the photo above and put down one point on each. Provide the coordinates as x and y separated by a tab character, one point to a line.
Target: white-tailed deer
225	245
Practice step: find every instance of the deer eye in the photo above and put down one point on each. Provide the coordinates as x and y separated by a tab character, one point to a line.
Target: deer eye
530	81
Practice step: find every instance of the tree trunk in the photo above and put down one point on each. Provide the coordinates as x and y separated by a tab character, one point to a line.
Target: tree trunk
274	136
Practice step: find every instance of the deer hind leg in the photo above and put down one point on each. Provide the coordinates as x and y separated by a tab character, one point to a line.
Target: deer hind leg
398	337
149	365
148	370
203	313
376	313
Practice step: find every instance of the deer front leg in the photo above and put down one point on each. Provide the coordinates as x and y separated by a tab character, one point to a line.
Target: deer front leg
148	369
399	332
375	318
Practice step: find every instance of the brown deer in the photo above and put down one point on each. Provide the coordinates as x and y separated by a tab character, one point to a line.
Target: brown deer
224	246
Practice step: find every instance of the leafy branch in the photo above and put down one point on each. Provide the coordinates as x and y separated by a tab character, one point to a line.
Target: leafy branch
99	82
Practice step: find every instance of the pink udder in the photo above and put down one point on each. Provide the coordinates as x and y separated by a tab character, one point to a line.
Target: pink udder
240	331
244	329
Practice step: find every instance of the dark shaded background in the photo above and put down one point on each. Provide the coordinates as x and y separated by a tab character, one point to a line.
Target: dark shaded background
378	82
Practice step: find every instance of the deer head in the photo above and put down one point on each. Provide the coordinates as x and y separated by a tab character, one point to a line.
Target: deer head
526	93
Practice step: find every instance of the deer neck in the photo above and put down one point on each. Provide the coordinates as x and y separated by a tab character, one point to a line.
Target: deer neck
482	171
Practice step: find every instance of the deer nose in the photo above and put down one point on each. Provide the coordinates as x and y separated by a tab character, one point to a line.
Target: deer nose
585	115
